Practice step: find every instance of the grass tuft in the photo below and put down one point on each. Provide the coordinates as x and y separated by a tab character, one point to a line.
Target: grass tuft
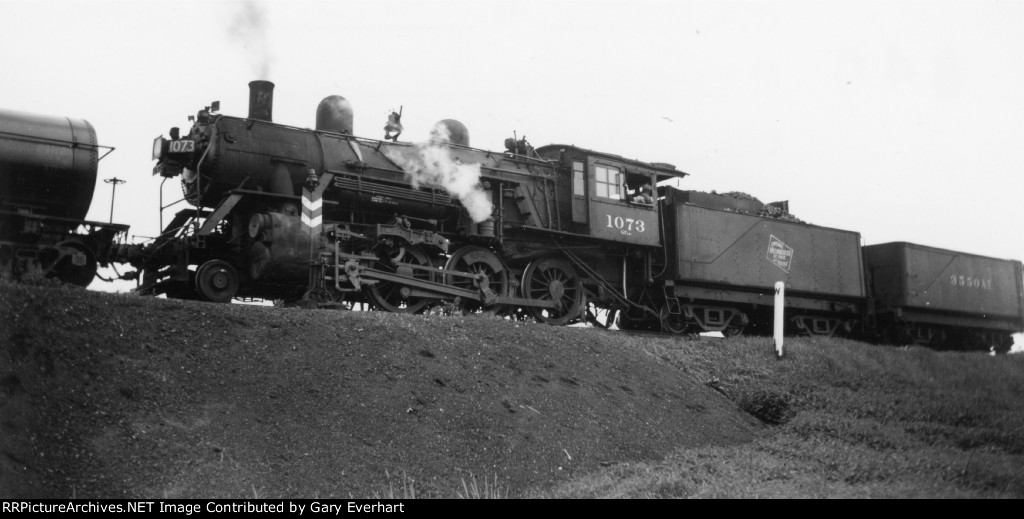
407	488
490	490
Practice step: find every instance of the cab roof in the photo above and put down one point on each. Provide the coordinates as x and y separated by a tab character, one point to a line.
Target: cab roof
663	170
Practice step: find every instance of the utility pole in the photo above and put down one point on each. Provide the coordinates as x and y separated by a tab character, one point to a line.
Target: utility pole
113	192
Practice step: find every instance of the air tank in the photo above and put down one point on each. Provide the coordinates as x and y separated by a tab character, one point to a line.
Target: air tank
47	164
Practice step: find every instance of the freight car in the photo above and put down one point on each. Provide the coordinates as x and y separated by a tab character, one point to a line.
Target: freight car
944	298
48	171
560	233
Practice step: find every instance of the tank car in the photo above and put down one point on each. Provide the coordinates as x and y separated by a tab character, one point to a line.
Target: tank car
48	168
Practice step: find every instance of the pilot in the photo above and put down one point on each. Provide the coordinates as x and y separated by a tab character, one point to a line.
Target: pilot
643	196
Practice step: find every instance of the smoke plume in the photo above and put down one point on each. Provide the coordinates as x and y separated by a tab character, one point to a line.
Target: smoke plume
249	27
432	164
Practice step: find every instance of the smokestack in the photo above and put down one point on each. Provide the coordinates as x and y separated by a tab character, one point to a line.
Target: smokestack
261	100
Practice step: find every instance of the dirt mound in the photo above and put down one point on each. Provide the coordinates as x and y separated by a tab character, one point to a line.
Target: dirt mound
113	396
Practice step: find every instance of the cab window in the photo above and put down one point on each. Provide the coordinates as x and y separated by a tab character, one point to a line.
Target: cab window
578	181
608	182
640	189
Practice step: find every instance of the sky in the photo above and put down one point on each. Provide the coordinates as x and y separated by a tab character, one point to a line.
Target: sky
901	120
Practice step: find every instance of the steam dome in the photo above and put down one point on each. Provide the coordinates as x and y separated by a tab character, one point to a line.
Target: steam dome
450	130
334	114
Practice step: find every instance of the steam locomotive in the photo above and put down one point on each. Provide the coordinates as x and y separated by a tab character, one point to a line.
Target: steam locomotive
559	233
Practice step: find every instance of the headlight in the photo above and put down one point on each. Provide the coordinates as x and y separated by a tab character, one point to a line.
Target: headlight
158	147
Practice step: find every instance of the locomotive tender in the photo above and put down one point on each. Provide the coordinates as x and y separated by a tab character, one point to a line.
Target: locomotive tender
559	233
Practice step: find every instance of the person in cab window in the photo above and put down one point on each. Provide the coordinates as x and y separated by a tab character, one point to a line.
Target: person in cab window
643	195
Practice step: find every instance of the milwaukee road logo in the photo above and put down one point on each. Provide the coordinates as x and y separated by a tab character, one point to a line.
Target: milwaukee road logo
312	210
780	254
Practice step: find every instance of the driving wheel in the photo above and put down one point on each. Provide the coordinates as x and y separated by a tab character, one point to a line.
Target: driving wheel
489	275
395	296
553	279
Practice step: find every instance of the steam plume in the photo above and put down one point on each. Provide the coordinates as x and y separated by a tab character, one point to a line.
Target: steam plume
432	164
249	27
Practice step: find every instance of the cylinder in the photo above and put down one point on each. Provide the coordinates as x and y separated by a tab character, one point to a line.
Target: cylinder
261	100
282	250
47	164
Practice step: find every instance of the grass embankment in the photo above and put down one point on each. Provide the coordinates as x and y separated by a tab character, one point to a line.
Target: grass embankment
105	396
94	387
849	420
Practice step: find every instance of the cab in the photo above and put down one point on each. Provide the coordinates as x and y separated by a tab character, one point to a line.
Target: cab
612	198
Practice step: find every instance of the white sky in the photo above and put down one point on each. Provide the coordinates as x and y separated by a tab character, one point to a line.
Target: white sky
902	120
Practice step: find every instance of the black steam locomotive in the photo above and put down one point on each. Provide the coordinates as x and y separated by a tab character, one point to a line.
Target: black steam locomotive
558	233
48	171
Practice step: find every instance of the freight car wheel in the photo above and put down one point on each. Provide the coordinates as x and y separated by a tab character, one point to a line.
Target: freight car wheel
488	271
672	323
394	296
733	329
552	279
78	266
217	281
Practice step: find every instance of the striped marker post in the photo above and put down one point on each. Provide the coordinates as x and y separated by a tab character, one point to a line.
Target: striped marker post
313	212
312	217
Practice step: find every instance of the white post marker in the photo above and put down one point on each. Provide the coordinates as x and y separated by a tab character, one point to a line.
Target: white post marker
780	298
